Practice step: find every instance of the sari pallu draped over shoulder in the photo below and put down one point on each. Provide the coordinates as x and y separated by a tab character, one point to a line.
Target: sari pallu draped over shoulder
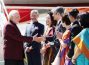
60	58
82	42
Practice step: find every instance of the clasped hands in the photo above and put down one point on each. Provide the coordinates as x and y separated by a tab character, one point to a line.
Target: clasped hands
43	49
38	39
59	35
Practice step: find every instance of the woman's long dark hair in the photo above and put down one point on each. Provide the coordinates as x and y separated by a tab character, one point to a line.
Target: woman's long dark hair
84	20
53	22
66	20
74	13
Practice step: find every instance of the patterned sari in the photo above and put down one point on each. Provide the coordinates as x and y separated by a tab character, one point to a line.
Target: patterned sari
82	42
49	54
60	58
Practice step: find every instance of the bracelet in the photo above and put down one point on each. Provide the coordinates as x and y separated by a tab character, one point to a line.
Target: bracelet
51	43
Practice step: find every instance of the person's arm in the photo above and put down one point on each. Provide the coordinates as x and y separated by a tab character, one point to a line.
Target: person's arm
27	46
71	50
42	30
49	38
62	43
10	32
76	54
74	32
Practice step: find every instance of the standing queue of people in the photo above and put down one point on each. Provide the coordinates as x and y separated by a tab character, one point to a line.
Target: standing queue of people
63	42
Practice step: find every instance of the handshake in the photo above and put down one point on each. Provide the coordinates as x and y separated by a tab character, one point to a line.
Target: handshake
38	39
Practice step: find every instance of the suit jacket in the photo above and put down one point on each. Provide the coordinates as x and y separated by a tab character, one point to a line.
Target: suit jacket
31	30
34	56
13	42
58	28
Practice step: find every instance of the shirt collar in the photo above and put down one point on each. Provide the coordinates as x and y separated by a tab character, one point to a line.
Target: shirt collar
59	21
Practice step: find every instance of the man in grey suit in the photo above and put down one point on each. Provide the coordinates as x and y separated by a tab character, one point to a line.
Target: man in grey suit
33	49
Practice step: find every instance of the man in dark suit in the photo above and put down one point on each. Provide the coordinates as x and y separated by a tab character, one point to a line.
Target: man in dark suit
33	49
58	13
75	29
13	41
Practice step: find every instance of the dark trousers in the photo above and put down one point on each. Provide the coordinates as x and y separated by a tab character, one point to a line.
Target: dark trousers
13	62
34	59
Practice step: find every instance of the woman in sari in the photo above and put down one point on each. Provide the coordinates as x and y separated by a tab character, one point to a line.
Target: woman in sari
75	29
48	50
81	54
64	40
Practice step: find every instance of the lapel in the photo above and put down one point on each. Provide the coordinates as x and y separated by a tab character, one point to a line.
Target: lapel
75	24
59	27
34	29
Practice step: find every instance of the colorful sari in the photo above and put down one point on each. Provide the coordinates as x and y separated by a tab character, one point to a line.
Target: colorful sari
63	51
49	54
82	42
60	58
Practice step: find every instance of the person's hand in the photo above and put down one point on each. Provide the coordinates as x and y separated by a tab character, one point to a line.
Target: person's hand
48	45
35	37
73	61
42	38
43	50
28	49
67	57
59	35
38	39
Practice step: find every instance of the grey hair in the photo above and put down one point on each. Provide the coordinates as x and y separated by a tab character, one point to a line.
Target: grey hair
34	11
11	14
58	9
